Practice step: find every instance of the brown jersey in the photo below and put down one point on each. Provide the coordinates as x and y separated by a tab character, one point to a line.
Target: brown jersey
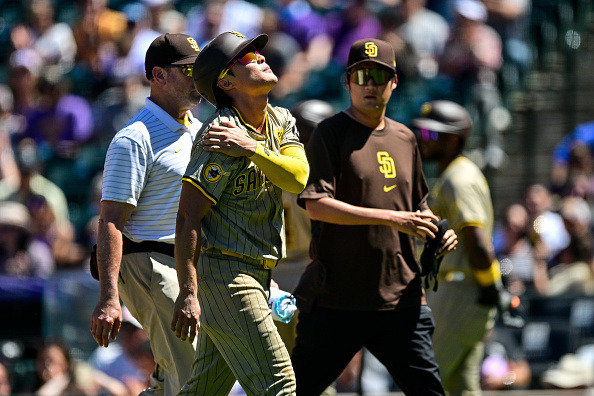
366	267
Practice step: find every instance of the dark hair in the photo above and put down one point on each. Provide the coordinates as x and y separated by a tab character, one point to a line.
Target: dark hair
223	100
63	347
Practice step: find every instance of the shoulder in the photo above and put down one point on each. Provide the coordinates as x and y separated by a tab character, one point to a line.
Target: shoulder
279	112
136	132
337	122
462	171
400	130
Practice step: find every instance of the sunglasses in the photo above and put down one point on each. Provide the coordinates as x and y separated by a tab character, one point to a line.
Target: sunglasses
187	70
379	76
426	134
245	60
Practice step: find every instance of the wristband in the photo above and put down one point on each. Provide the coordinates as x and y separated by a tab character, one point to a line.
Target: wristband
489	276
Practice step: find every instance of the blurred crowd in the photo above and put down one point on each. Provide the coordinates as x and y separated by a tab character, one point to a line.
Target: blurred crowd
72	74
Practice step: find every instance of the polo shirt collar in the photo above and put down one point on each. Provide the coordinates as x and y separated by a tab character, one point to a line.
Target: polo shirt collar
163	116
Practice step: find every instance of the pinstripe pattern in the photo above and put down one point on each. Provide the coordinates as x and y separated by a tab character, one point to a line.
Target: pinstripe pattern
236	321
248	214
237	337
144	165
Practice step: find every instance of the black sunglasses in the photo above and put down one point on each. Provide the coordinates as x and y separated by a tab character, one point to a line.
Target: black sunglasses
379	76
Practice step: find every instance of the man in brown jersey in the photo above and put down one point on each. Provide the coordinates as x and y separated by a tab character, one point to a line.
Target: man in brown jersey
367	197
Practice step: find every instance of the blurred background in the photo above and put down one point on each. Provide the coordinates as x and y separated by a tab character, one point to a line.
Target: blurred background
72	74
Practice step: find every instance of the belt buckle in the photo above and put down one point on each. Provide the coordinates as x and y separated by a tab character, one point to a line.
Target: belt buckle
269	263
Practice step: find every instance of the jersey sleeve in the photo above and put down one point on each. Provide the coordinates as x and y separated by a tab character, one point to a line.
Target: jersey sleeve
322	154
290	136
464	205
125	171
420	187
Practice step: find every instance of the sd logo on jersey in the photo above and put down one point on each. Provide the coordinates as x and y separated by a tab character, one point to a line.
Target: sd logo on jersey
213	172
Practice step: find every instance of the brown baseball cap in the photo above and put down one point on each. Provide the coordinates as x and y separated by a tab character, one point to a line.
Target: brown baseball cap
170	49
372	50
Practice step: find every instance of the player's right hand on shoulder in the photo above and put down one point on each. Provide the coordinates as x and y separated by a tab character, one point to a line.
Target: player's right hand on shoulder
186	315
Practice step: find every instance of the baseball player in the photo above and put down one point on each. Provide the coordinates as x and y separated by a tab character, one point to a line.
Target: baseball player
367	197
470	278
141	188
248	152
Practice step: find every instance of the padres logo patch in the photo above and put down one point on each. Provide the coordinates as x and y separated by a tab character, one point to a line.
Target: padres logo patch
213	172
370	49
278	133
193	43
386	164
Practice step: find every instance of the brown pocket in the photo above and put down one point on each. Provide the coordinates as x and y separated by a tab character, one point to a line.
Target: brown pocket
93	264
311	285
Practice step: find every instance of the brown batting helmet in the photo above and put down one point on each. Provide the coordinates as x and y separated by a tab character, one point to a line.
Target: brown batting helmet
444	116
217	55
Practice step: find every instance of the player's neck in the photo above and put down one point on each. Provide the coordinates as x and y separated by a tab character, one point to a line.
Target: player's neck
252	111
445	161
371	119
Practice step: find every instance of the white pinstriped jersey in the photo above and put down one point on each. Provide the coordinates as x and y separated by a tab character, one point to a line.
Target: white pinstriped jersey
247	215
144	166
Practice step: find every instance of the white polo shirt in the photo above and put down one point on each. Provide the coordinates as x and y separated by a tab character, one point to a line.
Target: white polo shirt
144	166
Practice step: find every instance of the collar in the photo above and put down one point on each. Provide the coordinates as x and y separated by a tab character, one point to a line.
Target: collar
164	117
250	127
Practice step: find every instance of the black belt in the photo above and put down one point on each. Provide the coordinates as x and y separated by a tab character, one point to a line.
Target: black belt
130	247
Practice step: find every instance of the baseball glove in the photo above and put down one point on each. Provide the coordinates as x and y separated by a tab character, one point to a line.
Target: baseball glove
429	261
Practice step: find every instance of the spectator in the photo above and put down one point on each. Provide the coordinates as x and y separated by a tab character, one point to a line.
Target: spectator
9	171
22	79
142	31
580	173
98	31
58	374
426	32
20	255
355	21
301	21
241	16
504	365
544	223
54	41
60	121
582	135
573	270
510	18
31	182
60	237
472	53
5	385
523	264
11	124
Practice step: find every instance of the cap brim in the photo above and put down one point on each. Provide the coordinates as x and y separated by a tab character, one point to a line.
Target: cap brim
433	125
391	67
258	42
188	60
